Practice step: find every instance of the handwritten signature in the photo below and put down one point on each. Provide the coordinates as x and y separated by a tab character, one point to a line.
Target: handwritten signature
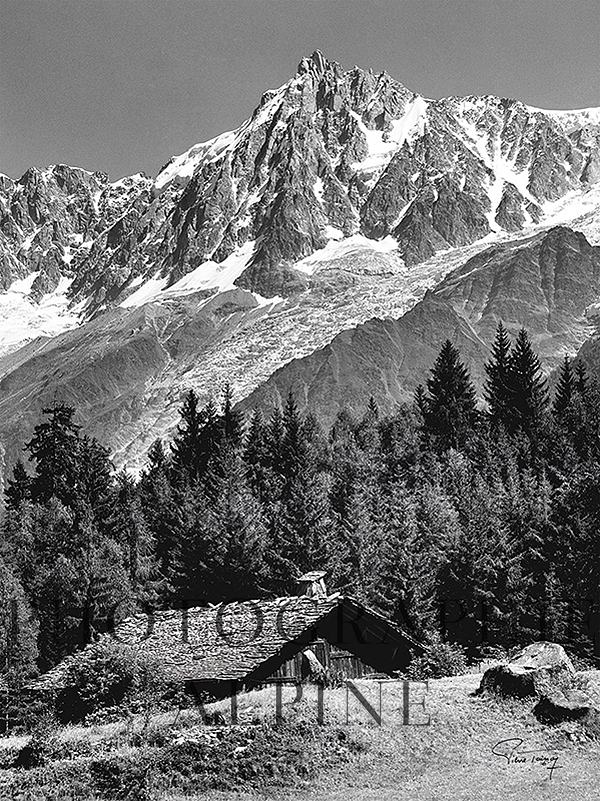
511	750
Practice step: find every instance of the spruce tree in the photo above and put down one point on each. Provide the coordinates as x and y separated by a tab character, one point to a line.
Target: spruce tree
189	562
18	630
529	390
367	430
95	476
158	498
450	411
373	408
354	503
497	390
581	378
275	434
239	536
526	513
256	456
186	444
475	567
420	400
131	531
576	522
19	487
299	520
222	442
232	419
354	542
405	568
292	445
400	450
564	389
55	447
211	436
102	583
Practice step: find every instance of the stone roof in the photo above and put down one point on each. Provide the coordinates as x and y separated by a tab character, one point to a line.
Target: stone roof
228	641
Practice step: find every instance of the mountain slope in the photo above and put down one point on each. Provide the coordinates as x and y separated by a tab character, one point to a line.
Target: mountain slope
344	197
549	283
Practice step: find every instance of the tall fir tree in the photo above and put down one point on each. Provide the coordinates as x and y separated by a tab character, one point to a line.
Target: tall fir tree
131	531
256	457
158	498
187	442
564	389
581	377
299	519
405	569
450	411
529	389
95	477
18	630
55	448
18	490
498	389
232	420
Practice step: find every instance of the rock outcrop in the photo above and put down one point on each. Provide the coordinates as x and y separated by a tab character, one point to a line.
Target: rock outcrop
568	705
540	669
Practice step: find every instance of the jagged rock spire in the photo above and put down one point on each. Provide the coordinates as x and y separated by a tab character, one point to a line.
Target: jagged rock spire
316	64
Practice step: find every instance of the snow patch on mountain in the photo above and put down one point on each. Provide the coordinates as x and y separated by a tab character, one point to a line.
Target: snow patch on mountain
212	275
181	168
271	103
209	275
411	124
342	248
491	154
572	119
146	292
318	189
579	210
28	241
22	320
262	302
383	144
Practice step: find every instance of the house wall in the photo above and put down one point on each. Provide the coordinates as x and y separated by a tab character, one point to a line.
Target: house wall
338	662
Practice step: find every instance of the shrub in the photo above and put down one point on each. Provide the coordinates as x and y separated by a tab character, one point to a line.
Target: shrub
106	714
122	777
440	659
258	756
42	745
97	677
189	762
32	709
106	676
583	662
68	780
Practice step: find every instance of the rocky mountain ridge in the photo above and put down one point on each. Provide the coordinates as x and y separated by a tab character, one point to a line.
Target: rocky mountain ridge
343	198
549	283
330	154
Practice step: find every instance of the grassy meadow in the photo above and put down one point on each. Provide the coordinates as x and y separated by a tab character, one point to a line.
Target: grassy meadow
176	755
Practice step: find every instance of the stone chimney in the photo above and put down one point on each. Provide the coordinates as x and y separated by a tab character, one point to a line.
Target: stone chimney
312	584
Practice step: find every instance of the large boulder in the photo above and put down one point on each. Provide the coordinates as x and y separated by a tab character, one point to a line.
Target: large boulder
571	704
541	669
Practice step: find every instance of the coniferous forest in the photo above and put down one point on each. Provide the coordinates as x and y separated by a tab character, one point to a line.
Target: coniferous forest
474	523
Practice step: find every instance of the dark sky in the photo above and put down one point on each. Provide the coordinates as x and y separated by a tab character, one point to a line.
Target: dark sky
121	85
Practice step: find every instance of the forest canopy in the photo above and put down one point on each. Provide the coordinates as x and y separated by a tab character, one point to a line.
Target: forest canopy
465	524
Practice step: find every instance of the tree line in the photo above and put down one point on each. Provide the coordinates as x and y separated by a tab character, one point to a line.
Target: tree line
469	524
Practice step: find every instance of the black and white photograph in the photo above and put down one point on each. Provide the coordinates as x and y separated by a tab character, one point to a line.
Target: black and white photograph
299	400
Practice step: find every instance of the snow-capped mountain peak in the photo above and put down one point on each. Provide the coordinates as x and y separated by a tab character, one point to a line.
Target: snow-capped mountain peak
344	196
